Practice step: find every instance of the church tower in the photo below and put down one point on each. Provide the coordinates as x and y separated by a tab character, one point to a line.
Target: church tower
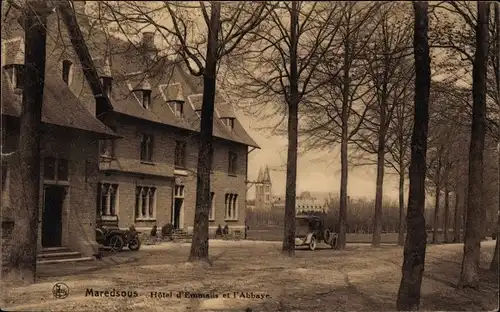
263	190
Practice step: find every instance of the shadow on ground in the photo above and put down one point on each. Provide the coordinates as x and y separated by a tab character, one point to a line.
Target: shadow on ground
359	278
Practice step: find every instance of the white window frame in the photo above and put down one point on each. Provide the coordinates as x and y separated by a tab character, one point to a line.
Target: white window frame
146	214
211	211
231	207
179	192
109	186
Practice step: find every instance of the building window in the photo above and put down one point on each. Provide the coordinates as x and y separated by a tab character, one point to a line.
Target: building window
229	122
16	74
179	191
231	204
232	163
55	169
108	199
180	154
146	147
145	202
66	71
107	146
211	211
107	85
178	108
146	98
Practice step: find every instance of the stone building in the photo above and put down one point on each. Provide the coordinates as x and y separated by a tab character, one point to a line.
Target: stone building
119	143
263	190
69	142
148	176
266	201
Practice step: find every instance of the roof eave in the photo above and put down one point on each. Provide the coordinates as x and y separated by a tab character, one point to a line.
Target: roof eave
83	53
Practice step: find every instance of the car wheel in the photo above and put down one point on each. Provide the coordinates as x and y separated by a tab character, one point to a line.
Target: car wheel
312	243
134	244
116	243
333	243
327	234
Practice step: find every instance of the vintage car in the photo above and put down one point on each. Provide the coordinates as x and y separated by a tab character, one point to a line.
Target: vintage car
310	230
116	238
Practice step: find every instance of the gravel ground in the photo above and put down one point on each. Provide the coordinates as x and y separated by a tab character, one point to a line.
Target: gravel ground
358	278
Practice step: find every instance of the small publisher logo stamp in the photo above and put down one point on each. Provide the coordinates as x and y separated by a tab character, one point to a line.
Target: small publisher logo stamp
60	290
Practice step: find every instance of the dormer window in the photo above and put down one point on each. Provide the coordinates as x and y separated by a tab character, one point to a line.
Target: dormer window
229	122
177	108
67	71
146	98
16	75
107	84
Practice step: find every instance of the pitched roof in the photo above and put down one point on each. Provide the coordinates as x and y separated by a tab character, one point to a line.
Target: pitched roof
259	177
169	81
60	106
266	177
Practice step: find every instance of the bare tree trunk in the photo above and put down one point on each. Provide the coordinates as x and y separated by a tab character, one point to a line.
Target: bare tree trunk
344	162
401	231
199	245
416	236
379	193
377	219
469	276
494	261
21	265
342	222
291	166
446	212
456	224
436	207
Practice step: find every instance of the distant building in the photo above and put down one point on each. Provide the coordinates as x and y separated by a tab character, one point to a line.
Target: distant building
263	190
264	200
306	203
250	205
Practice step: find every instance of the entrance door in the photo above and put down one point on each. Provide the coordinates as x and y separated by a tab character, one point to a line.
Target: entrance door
52	216
177	212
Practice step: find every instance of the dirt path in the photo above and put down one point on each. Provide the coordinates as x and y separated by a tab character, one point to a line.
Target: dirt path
359	278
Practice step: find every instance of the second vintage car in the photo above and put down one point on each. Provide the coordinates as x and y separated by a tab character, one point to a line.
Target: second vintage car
311	230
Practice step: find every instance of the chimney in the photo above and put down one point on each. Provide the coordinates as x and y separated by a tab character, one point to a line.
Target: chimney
148	41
